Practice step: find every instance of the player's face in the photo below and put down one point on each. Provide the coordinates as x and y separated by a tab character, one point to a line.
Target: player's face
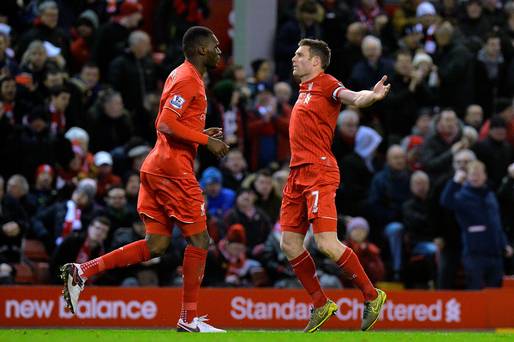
302	62
213	54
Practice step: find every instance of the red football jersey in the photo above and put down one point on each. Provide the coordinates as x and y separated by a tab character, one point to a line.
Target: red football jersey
313	121
184	96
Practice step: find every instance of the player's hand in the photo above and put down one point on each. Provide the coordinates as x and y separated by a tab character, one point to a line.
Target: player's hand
214	132
381	89
460	176
508	251
217	147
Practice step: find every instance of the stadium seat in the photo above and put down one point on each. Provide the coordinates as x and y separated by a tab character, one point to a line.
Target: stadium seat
34	250
24	274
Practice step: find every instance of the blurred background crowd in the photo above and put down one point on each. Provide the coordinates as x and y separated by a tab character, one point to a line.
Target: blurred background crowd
426	198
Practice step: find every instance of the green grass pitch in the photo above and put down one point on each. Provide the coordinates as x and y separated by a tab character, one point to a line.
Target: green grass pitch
77	335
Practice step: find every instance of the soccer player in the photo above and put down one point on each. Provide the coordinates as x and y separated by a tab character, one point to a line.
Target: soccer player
309	195
170	193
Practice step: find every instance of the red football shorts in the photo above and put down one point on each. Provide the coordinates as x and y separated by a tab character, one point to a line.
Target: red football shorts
169	201
309	197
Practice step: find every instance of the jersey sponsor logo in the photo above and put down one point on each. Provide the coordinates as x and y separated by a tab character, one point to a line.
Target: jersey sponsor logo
177	101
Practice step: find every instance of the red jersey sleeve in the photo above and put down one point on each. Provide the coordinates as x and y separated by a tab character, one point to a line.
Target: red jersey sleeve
180	96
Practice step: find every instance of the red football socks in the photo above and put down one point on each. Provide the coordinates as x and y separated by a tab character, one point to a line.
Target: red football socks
193	270
351	266
305	270
133	253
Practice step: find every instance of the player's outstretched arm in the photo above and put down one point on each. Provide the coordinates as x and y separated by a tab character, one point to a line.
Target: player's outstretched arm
365	98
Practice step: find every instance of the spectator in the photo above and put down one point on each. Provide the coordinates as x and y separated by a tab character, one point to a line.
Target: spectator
234	169
349	54
357	171
83	38
56	222
474	116
262	72
256	223
117	210
43	192
366	72
112	36
133	74
305	25
344	137
241	271
508	115
132	191
79	137
438	149
46	30
389	190
279	182
474	25
357	230
81	246
105	179
491	73
411	38
8	66
427	17
110	125
455	68
59	100
419	220
33	65
506	198
275	262
267	200
368	12
477	211
495	152
88	87
219	199
18	188
13	224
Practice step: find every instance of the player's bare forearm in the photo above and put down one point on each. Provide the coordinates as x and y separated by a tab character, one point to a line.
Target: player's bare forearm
361	99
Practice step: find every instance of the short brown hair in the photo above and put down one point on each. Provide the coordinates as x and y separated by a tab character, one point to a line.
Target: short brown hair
318	48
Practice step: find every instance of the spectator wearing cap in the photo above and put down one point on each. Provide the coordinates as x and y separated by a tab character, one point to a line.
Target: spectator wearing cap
13	224
43	190
256	223
134	75
357	170
110	125
104	176
112	36
495	152
56	222
81	246
219	199
455	69
83	37
46	29
357	231
240	271
427	17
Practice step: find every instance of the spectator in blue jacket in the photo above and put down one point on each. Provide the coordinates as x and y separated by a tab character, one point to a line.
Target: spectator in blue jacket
483	239
219	199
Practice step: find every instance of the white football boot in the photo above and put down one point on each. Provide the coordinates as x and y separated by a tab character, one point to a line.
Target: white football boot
197	325
73	285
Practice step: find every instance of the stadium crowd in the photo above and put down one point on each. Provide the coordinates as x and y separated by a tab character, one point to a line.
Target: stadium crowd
427	176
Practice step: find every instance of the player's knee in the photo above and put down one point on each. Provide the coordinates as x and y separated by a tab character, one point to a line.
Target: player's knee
157	246
200	240
290	248
327	247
